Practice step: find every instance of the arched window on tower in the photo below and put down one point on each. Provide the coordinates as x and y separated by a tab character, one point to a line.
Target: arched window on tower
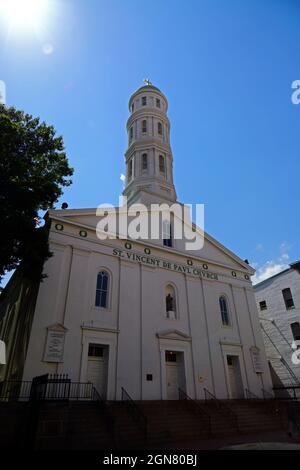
130	170
144	126
162	166
159	128
144	163
224	310
167	233
131	133
170	299
102	289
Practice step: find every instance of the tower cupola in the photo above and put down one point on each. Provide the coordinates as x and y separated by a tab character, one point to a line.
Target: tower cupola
149	160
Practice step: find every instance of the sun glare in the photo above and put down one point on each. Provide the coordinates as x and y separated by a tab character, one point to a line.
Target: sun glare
23	14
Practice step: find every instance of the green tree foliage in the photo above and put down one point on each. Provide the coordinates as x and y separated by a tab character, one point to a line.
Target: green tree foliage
33	170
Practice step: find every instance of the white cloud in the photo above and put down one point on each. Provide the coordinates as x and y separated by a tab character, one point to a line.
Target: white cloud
272	267
123	179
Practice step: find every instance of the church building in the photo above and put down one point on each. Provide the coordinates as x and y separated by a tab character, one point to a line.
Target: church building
146	315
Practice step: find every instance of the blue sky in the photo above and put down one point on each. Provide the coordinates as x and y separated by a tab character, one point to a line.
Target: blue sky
226	68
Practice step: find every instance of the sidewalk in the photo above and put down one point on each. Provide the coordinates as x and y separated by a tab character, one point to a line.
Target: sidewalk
274	439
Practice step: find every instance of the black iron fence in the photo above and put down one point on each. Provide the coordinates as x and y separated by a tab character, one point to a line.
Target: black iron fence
48	387
53	387
11	390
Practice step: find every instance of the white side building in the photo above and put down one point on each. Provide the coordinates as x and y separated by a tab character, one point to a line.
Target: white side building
278	302
146	315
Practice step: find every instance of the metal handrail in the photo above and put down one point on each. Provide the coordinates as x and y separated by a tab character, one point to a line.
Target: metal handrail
293	389
222	407
109	418
196	407
271	405
250	395
96	395
135	412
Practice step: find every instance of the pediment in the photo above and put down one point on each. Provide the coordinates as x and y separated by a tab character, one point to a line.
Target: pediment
57	327
173	335
212	250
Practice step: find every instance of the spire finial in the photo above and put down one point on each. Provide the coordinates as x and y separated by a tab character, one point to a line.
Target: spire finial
147	82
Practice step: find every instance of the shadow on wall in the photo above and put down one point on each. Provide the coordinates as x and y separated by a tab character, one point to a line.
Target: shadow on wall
277	383
17	306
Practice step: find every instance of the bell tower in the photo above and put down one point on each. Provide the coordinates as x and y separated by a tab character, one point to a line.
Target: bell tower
149	159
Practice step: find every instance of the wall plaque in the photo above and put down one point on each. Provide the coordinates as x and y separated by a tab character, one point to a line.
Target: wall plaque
256	360
55	343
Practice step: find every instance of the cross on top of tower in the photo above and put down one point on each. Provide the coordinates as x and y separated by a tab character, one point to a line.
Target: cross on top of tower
147	82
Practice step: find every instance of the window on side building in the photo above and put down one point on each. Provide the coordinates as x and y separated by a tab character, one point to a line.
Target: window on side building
295	327
263	305
288	298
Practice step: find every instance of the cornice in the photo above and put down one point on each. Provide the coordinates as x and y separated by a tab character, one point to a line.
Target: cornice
147	112
149	143
162	249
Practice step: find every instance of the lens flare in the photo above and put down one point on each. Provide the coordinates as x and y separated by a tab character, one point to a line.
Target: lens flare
23	14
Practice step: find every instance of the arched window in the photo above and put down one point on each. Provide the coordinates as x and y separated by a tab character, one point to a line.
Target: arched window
167	233
224	310
159	128
131	132
170	299
130	170
162	167
144	125
144	162
102	289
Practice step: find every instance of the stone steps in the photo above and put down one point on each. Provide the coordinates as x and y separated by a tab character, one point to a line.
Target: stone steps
84	425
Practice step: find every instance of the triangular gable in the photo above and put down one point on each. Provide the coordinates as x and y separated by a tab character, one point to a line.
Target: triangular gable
173	335
212	250
57	327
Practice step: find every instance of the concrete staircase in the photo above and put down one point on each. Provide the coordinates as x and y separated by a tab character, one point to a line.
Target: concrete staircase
244	416
174	421
73	425
85	425
13	419
179	421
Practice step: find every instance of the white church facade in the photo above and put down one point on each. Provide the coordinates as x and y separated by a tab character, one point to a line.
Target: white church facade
146	315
